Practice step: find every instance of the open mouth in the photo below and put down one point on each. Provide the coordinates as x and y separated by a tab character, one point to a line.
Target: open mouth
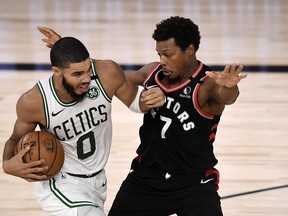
166	72
84	88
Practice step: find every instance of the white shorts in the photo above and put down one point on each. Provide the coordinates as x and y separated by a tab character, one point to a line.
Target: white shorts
64	194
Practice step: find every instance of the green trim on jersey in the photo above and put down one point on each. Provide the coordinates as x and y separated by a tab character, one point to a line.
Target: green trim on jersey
66	200
99	83
45	103
103	91
51	83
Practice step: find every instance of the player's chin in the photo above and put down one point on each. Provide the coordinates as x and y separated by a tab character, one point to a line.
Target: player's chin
77	95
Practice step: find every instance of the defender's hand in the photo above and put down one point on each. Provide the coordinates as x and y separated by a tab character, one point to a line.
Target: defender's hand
51	36
153	97
229	78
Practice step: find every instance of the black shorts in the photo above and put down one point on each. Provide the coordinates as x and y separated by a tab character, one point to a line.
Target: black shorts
147	193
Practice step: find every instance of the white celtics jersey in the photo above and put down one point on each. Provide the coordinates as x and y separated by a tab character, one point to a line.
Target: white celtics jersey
83	127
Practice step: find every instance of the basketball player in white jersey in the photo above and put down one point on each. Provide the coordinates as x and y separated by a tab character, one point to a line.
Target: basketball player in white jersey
75	105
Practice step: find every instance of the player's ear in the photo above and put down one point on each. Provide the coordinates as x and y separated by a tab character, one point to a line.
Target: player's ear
56	70
190	49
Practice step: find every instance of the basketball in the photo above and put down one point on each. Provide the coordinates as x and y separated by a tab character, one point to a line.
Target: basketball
43	145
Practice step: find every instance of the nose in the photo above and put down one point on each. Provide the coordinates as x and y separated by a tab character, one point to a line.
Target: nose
87	77
162	61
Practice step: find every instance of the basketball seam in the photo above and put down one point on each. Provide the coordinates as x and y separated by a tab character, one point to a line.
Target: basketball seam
39	146
55	156
21	147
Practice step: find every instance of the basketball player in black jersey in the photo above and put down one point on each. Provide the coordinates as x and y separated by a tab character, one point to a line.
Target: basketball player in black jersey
174	171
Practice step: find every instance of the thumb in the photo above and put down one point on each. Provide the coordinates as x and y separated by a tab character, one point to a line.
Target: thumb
210	73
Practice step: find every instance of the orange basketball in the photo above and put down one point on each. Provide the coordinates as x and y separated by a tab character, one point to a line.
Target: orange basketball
43	145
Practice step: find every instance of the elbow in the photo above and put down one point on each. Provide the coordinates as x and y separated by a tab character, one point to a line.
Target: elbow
4	167
227	96
232	99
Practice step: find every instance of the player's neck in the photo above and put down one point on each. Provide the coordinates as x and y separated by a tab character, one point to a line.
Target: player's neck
182	77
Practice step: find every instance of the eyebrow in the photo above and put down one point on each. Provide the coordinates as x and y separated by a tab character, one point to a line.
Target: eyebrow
80	71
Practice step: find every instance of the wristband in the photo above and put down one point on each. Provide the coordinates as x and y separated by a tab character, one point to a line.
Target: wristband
135	104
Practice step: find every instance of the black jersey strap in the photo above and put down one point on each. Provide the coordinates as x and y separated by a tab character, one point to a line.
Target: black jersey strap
94	74
192	79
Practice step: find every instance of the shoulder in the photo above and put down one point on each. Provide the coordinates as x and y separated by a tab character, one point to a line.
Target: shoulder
32	95
30	104
108	69
208	83
110	75
107	65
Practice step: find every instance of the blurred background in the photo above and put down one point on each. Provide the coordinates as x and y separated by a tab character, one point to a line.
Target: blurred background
250	32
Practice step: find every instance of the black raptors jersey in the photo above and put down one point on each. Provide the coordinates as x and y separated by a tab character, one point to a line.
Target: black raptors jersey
178	137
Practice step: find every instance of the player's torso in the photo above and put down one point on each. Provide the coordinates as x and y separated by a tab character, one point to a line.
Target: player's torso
179	135
83	127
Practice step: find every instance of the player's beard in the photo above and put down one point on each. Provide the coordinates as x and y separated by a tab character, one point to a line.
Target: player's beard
71	90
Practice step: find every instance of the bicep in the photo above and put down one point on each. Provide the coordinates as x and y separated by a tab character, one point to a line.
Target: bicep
30	113
135	77
116	83
138	77
207	98
21	128
126	91
223	95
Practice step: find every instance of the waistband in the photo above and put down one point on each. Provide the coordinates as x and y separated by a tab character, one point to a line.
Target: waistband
85	175
138	164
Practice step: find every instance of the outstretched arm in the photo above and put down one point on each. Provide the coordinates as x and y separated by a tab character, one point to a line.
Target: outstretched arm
51	36
229	78
225	89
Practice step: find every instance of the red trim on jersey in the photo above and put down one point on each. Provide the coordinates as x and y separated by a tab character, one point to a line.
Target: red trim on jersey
150	73
194	74
212	171
170	89
214	127
196	103
212	136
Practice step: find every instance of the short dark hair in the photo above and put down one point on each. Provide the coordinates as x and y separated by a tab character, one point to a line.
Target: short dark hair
183	30
68	50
